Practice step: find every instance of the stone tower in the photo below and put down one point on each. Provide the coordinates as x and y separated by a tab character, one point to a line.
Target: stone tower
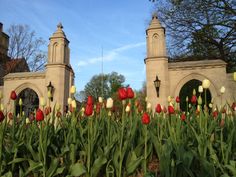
4	42
58	68
156	62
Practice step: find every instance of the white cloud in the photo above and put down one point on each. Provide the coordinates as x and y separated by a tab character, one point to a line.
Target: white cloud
111	55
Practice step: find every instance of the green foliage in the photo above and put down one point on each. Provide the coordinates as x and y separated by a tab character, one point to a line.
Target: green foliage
101	144
103	85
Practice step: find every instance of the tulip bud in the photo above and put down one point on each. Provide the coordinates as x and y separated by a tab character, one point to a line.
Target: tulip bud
73	104
222	90
194	92
20	102
2	116
23	113
1	107
72	89
149	106
200	89
169	99
1	95
58	106
109	103
69	101
27	121
206	83
210	105
49	95
100	99
127	109
199	100
146	99
234	76
42	101
186	98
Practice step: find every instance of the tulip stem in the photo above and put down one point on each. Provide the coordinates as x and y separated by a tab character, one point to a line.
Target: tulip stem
121	140
145	150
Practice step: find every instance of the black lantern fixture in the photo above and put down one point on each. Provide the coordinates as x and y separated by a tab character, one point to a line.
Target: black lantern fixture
157	84
50	88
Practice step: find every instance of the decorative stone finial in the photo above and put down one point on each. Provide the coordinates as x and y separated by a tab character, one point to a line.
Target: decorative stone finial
154	15
59	26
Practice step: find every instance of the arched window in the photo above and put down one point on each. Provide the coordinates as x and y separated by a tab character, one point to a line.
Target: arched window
155	49
187	91
54	51
30	101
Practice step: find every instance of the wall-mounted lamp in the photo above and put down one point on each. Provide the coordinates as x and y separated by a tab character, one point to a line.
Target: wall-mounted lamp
50	88
157	84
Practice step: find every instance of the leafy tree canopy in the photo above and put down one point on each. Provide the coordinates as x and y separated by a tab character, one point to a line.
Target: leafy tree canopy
200	29
104	85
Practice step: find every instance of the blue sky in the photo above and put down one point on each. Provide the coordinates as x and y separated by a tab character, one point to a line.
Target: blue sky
116	27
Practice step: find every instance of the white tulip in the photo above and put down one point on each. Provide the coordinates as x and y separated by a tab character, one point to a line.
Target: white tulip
20	102
200	89
1	107
222	90
127	109
42	101
58	106
149	106
109	103
234	76
27	120
72	89
73	104
100	99
206	83
69	100
49	95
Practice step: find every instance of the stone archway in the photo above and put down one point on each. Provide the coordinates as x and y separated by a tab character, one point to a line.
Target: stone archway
187	91
30	101
196	76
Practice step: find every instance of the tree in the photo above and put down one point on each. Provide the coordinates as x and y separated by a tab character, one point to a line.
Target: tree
202	28
104	85
24	44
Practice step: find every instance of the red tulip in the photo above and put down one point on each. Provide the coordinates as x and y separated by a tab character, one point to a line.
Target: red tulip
215	114
1	116
90	100
47	110
130	93
233	106
88	110
183	117
145	118
164	109
137	103
171	110
122	93
98	108
39	115
177	99
222	123
158	108
58	114
10	115
194	99
13	95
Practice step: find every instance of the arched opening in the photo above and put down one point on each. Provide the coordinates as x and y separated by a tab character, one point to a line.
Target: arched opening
30	101
187	91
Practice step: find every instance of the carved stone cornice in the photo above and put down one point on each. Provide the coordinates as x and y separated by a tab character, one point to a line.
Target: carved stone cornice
24	75
202	64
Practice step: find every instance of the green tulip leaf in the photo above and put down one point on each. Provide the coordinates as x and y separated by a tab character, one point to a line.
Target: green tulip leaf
77	169
97	165
52	168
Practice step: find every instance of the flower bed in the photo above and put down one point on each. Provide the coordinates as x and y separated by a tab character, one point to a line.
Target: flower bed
94	141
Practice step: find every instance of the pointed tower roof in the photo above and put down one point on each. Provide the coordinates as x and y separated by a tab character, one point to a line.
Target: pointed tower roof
59	33
155	23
